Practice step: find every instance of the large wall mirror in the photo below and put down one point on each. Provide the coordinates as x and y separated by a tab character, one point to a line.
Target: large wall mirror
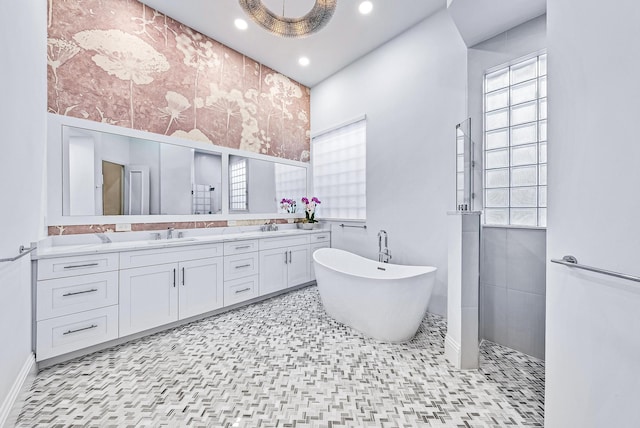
101	173
258	186
111	174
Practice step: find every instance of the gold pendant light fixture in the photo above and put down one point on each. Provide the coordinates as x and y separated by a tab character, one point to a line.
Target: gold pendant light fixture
310	23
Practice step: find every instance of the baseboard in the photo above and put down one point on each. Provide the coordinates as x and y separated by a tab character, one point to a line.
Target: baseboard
452	351
7	419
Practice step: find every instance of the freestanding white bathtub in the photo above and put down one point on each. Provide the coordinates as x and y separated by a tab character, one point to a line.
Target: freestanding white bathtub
384	301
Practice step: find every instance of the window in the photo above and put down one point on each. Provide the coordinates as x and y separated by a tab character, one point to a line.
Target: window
238	184
515	144
339	171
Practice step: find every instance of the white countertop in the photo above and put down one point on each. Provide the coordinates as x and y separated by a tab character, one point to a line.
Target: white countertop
48	248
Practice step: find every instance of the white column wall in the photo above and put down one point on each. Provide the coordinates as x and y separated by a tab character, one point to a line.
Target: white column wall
23	87
593	345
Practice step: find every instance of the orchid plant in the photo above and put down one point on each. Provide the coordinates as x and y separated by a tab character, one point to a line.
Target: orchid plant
310	209
289	205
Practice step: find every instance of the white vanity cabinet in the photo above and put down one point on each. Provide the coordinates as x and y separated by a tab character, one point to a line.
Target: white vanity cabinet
241	267
89	299
284	262
178	288
76	303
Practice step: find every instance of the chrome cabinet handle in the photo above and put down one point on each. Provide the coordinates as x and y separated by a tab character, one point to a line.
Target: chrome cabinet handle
285	258
243	266
243	290
80	329
174	278
243	247
93	290
183	276
80	266
320	237
290	259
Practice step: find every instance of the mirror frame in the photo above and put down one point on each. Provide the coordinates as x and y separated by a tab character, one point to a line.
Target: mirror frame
54	196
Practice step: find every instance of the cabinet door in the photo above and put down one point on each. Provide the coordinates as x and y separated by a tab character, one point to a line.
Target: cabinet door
273	270
201	286
299	265
148	297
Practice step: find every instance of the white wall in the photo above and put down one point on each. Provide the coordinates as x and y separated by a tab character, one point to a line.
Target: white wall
512	275
23	123
412	90
593	321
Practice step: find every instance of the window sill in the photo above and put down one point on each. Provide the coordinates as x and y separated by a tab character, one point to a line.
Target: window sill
512	226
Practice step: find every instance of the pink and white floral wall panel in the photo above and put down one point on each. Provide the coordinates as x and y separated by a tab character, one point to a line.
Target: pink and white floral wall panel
121	62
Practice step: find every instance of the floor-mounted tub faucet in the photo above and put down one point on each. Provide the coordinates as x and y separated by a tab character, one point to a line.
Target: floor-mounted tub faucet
384	255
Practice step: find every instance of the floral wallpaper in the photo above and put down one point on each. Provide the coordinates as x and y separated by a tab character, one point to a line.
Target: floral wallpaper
121	62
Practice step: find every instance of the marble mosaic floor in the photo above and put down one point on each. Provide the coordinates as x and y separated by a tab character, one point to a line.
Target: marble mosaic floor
284	363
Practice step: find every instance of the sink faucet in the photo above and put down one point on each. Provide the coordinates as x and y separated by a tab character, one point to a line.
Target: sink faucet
268	227
384	255
170	232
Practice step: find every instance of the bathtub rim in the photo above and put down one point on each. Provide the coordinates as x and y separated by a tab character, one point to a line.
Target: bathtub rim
422	270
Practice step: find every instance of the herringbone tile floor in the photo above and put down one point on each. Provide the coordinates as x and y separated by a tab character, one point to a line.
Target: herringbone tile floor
285	363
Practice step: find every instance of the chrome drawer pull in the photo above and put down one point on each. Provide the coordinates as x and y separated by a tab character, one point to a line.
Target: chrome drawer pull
242	266
243	290
80	266
320	237
93	290
243	247
80	329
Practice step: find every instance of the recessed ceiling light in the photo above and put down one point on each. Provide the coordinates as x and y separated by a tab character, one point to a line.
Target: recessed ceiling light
365	7
241	24
303	61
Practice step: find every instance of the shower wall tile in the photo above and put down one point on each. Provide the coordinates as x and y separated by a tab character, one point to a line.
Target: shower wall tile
526	266
493	312
512	288
493	270
526	322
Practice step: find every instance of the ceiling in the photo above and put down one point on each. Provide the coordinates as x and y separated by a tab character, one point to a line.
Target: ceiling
349	35
479	20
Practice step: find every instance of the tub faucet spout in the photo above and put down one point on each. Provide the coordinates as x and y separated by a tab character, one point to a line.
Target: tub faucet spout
384	255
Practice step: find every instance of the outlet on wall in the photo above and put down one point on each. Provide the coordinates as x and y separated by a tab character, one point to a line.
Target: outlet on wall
231	222
123	227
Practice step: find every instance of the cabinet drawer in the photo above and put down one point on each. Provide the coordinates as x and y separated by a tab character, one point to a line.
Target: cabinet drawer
290	241
57	336
240	247
240	265
64	296
239	290
319	237
158	256
77	265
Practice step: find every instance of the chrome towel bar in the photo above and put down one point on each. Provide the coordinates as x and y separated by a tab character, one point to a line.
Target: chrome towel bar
573	262
349	225
22	251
